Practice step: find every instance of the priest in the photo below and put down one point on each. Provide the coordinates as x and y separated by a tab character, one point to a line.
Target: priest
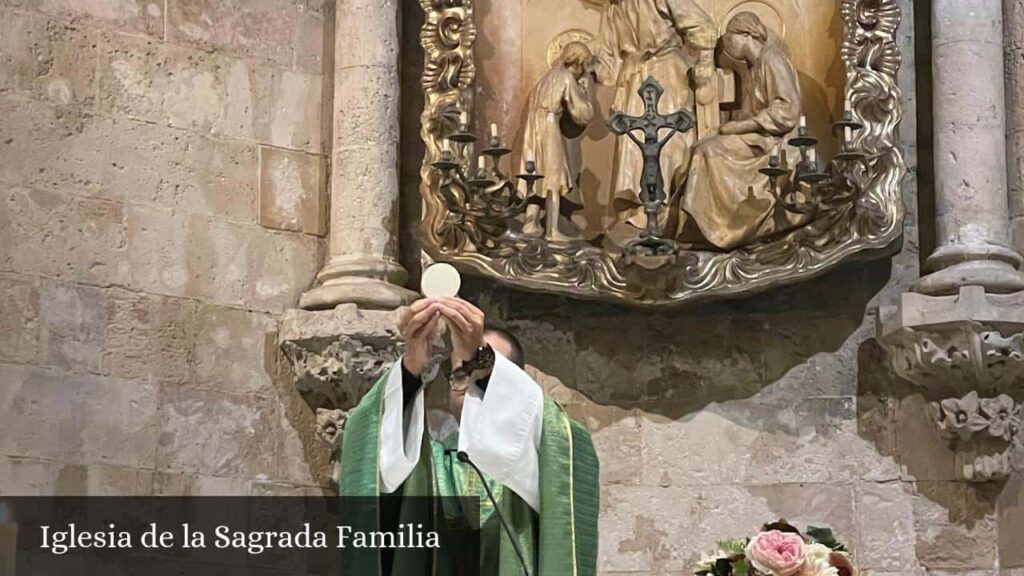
512	445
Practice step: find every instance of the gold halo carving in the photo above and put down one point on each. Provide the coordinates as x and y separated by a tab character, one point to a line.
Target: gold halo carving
559	42
766	12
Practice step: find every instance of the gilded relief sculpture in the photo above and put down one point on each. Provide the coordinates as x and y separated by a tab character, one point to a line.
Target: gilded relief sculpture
715	183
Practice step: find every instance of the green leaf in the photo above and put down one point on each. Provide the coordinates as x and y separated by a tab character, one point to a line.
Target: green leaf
825	537
732	547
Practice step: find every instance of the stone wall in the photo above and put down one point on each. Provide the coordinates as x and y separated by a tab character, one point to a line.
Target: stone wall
162	180
161	203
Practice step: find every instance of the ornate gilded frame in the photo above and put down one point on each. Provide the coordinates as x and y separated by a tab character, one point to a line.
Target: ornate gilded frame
870	224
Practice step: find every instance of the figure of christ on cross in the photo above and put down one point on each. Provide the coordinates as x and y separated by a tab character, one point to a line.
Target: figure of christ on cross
652	123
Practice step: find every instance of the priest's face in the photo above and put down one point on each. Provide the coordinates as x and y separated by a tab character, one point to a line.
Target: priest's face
500	346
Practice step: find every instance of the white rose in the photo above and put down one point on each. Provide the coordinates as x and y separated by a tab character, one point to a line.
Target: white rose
819	567
818	552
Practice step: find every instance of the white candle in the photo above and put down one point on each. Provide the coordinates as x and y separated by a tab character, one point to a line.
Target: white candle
529	156
847	135
847	105
803	121
481	162
494	130
464	118
812	156
447	146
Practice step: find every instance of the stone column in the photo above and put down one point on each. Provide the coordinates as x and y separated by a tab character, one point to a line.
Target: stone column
960	333
362	266
1013	52
973	233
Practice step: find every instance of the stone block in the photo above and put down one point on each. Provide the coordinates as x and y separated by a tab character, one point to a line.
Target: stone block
62	236
293	191
279	32
705	448
210	93
100	480
955	530
922	453
705	358
234	351
214	433
803	505
19	318
26	477
137	162
548	344
616	436
641	535
217	261
885	522
73	327
1010	515
77	419
245	265
149	337
159	251
312	55
179	484
135	16
736	512
47	60
278	489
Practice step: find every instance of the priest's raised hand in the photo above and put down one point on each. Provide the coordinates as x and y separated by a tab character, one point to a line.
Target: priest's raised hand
418	328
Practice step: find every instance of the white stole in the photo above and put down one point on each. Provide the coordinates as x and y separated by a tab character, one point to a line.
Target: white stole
500	430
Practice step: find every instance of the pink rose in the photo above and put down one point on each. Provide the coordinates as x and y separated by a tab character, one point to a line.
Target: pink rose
777	553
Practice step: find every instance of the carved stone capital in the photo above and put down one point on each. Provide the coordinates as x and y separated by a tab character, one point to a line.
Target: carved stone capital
971	341
337	355
986	433
970	347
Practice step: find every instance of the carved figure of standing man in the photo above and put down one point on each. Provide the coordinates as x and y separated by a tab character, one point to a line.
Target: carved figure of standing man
662	39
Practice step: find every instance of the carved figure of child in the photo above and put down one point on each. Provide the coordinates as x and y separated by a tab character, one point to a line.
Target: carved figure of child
560	96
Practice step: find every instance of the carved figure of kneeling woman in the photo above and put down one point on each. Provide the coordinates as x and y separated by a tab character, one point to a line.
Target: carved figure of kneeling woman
560	96
726	196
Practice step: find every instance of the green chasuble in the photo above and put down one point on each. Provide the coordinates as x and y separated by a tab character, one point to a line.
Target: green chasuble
559	541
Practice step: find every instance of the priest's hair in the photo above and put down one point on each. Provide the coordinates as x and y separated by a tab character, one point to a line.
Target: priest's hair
518	357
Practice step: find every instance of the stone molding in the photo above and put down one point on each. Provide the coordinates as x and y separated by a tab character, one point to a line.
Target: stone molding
971	341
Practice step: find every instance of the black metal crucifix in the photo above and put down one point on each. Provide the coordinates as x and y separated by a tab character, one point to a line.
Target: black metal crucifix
652	182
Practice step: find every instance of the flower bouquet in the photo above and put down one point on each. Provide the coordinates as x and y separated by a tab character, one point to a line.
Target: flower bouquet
781	550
